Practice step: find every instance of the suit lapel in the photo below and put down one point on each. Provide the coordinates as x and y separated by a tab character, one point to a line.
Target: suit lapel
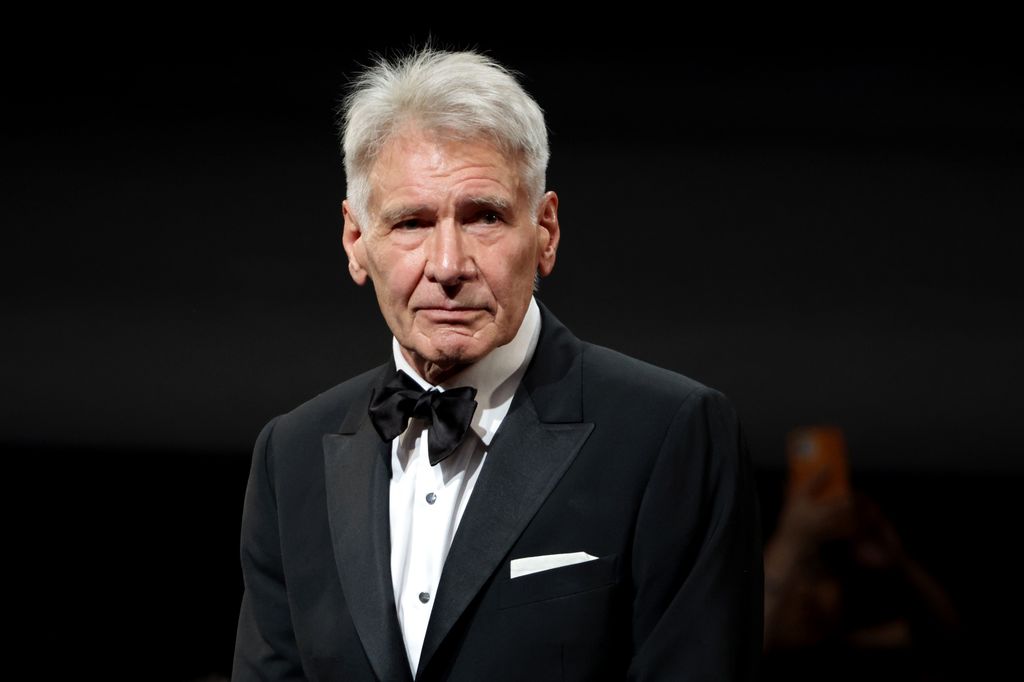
358	478
535	445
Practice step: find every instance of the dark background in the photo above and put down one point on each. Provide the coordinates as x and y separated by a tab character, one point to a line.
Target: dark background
827	236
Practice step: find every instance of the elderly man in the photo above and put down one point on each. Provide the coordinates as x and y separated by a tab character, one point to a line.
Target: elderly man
500	500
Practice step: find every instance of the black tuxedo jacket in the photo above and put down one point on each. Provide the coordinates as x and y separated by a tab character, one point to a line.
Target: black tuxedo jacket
600	453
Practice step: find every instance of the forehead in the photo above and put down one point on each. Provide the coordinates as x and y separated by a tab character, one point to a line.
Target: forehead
421	167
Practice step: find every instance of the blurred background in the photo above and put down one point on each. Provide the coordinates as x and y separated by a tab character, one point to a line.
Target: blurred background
829	236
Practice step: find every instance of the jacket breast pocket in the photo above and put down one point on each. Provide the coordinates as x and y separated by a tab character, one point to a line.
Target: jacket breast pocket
563	581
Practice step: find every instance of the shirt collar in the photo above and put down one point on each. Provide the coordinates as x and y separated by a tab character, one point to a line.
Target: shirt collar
496	376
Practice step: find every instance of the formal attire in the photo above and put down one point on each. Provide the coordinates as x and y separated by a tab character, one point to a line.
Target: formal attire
428	501
611	533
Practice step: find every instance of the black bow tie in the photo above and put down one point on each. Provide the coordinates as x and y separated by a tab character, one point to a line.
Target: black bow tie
448	413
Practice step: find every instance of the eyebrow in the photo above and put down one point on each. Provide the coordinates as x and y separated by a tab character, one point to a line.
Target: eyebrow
491	201
393	214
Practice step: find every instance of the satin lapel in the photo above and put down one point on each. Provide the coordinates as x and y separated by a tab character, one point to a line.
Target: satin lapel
525	461
356	470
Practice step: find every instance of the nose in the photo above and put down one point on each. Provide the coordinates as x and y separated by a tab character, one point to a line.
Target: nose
448	259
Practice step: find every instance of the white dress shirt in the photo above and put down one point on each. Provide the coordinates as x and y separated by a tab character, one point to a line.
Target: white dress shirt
427	502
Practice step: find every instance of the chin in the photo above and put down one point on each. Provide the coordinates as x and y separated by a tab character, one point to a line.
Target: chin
449	356
455	349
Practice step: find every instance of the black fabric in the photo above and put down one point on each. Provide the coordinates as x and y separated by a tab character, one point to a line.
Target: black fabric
447	412
641	467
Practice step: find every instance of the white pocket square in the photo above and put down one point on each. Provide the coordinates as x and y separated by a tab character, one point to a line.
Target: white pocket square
536	564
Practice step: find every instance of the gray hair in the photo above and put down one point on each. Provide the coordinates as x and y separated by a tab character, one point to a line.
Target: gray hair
459	95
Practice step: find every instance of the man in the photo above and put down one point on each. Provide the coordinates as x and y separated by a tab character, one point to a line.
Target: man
595	516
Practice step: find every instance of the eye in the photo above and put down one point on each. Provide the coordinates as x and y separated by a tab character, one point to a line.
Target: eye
489	218
409	224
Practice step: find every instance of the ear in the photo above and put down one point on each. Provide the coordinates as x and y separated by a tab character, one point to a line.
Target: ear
355	249
548	233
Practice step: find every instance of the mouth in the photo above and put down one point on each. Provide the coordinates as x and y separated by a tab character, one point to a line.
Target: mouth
450	313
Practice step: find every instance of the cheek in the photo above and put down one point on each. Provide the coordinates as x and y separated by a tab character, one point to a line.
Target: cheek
525	266
516	283
396	277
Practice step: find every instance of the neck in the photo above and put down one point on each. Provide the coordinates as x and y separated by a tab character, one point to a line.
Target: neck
433	372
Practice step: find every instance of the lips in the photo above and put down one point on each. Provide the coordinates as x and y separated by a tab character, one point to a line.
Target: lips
450	314
447	308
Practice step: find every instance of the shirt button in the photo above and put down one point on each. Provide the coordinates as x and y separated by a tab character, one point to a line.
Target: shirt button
424	597
431	498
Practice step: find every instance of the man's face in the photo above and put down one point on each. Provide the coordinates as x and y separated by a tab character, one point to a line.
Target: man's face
451	247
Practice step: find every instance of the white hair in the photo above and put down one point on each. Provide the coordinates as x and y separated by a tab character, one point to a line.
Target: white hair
457	95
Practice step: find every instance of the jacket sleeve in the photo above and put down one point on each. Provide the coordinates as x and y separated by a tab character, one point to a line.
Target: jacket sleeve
265	647
697	560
